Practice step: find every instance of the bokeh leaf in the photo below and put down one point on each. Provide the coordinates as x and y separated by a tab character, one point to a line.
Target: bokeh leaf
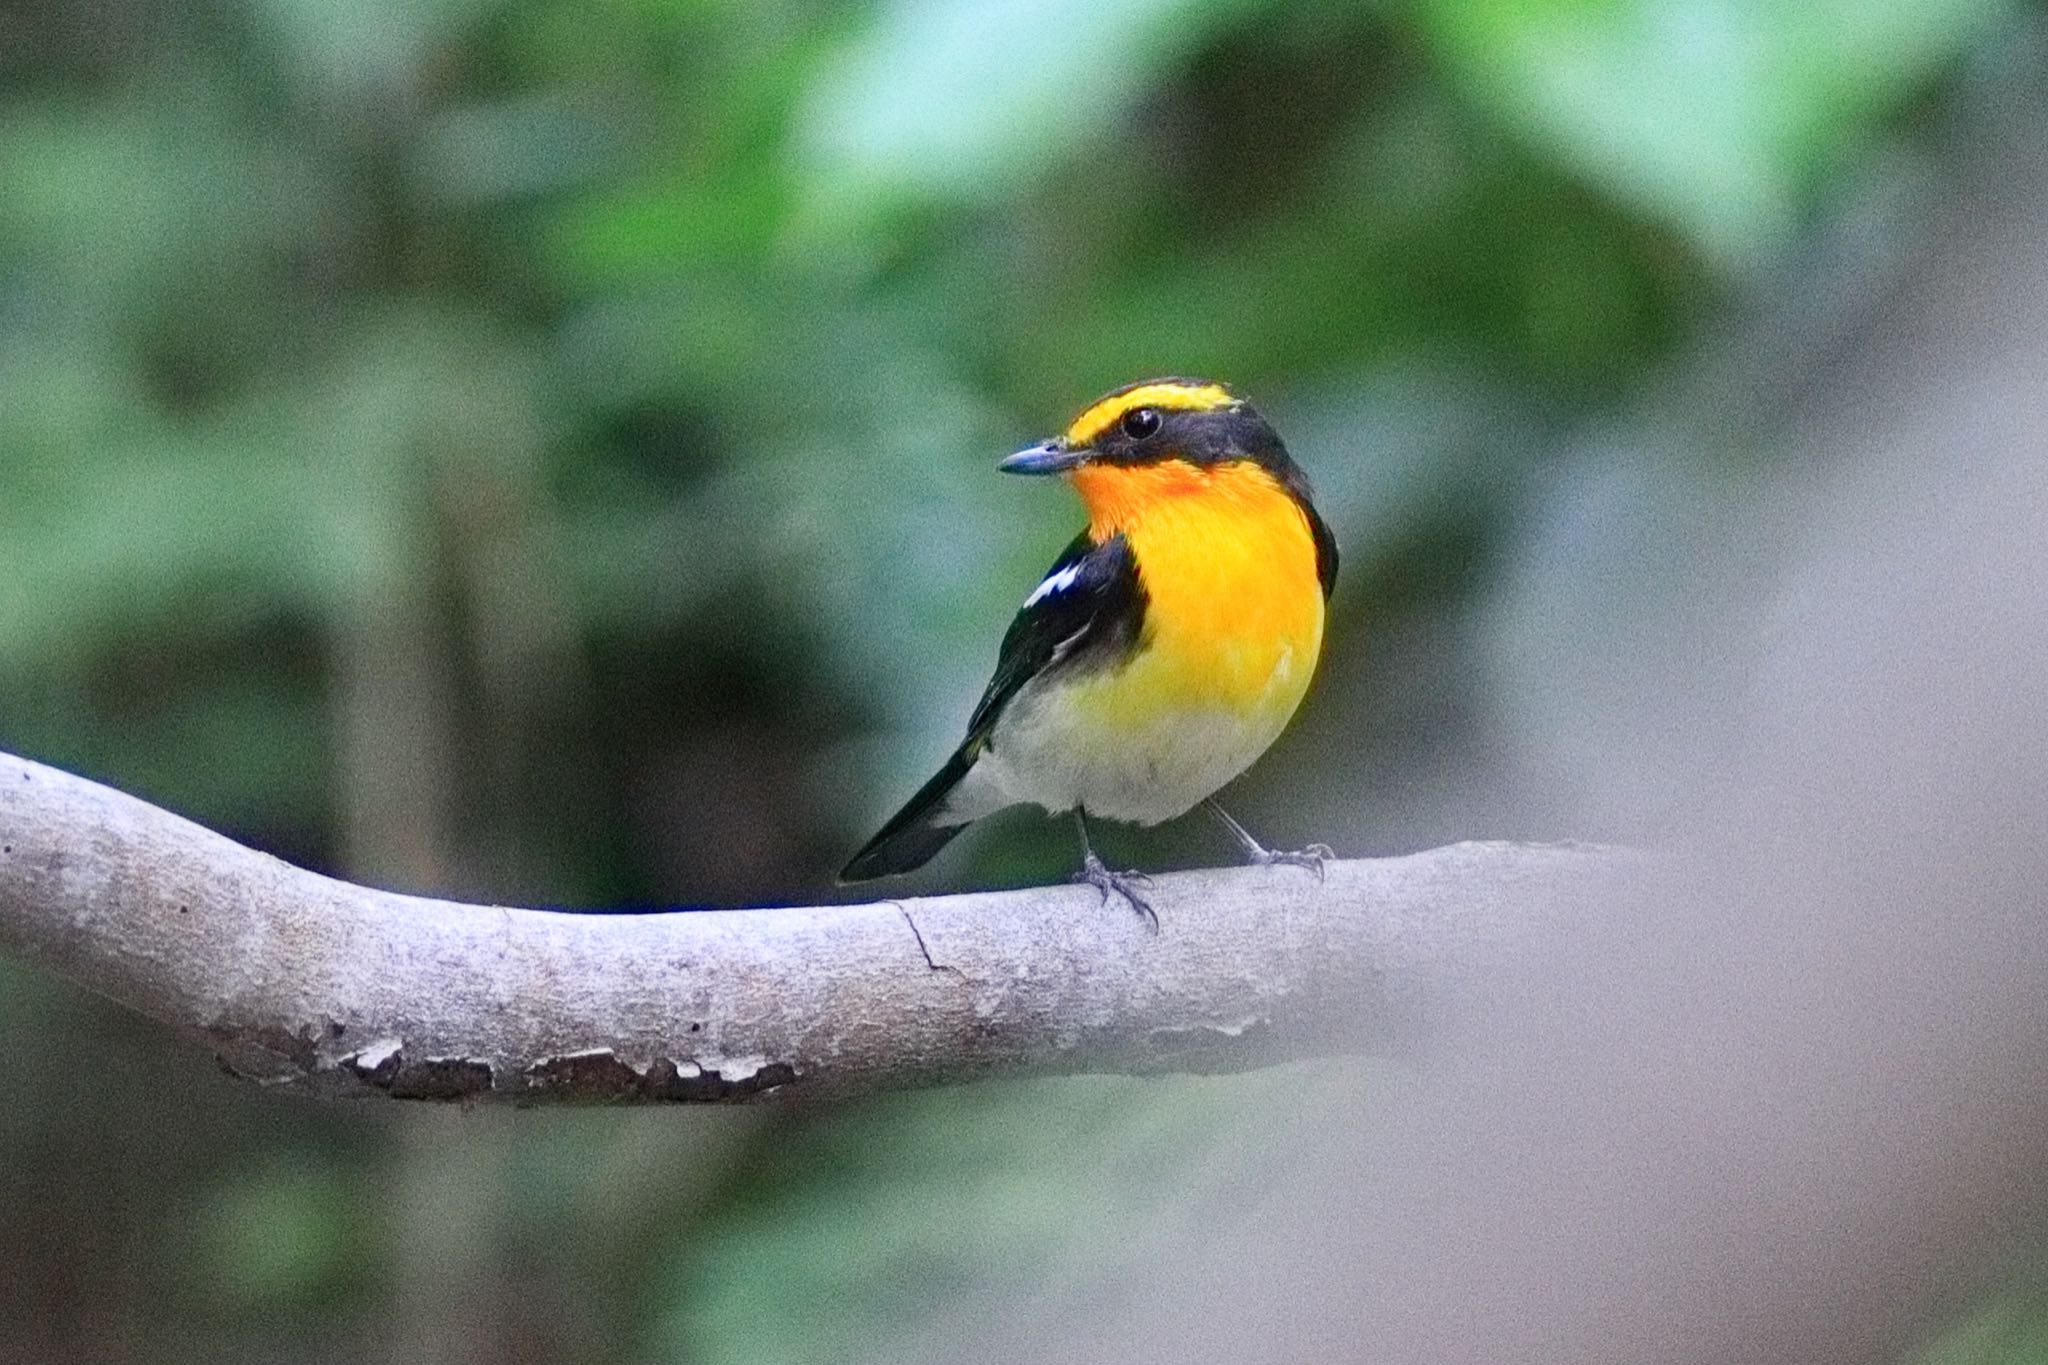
924	1209
962	97
1715	115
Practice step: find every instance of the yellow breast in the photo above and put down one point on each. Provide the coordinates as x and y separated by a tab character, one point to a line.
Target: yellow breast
1234	620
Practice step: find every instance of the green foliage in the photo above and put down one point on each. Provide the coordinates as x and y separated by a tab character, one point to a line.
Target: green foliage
918	1211
1718	116
742	294
960	99
276	1240
2012	1329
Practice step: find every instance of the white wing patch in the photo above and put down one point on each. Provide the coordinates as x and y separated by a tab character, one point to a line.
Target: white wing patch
1054	582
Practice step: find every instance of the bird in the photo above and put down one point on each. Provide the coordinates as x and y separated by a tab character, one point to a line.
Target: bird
1165	649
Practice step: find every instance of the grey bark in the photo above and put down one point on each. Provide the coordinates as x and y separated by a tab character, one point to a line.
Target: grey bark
297	979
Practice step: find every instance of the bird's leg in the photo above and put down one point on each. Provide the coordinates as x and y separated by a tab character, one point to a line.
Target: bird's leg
1314	857
1097	874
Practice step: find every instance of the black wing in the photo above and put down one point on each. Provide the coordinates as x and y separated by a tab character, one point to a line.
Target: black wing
1326	548
1086	613
1296	482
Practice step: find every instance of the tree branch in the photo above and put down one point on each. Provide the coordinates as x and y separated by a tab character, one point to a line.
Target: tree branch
294	978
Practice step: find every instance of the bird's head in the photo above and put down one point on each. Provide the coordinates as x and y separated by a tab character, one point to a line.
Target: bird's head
1159	438
1152	422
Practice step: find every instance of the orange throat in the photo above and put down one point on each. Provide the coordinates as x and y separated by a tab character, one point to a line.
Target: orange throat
1118	496
1210	509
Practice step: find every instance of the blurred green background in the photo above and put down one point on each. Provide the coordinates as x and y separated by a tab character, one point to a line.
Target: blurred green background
546	452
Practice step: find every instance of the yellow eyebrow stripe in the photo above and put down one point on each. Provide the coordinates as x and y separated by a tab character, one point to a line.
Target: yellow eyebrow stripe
1178	397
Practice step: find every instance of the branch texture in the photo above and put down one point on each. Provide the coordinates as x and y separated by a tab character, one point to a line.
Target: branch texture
297	979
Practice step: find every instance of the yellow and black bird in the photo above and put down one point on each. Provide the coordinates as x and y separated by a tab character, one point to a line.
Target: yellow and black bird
1165	649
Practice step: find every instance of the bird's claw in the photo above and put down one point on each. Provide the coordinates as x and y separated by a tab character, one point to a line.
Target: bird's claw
1316	858
1094	872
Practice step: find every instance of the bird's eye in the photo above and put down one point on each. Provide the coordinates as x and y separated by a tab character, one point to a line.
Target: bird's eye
1139	423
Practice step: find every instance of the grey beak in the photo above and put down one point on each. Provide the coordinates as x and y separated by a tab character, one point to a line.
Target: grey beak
1047	457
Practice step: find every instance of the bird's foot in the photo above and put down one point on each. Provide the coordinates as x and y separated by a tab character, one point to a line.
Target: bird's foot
1316	858
1096	873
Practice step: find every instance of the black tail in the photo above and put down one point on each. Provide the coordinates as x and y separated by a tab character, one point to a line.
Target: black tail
911	837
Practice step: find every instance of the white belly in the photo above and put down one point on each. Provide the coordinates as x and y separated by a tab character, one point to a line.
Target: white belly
1049	751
